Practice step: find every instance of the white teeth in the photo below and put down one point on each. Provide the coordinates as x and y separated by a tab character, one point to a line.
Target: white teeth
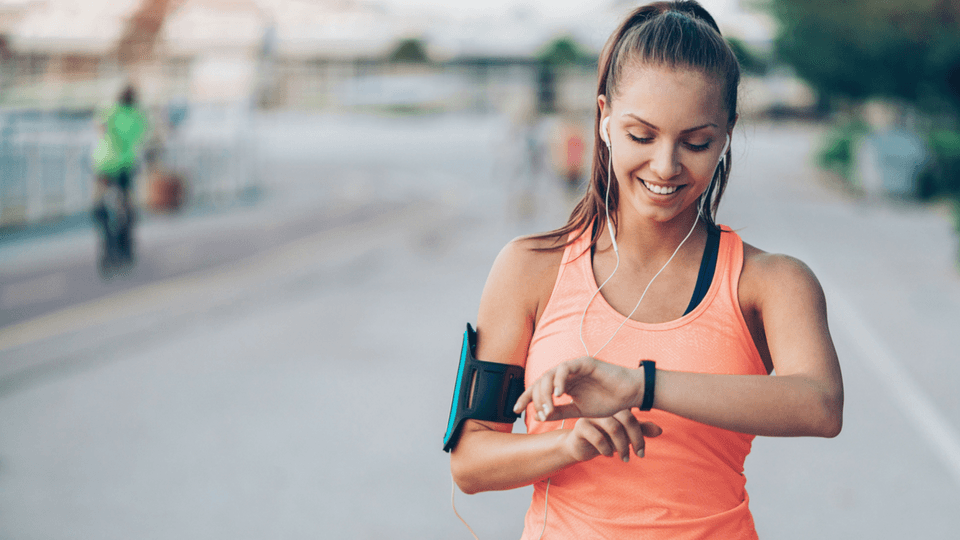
660	190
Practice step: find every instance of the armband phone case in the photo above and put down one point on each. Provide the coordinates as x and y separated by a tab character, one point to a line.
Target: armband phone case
484	390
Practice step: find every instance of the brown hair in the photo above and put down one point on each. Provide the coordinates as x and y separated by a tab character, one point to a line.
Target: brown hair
677	34
128	96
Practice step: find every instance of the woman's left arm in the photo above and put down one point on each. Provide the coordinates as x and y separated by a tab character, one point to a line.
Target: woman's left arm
806	395
804	398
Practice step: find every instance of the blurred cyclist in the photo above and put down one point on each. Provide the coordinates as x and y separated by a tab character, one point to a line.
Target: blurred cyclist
115	160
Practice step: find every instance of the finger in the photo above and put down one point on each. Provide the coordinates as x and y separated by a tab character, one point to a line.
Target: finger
597	438
617	434
523	401
547	392
566	410
543	397
531	397
560	379
633	429
650	429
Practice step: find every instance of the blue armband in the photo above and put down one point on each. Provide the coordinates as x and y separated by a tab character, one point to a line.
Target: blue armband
484	391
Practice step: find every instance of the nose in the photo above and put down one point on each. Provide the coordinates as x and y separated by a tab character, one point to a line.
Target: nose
664	162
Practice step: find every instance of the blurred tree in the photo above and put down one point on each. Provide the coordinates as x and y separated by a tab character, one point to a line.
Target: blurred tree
410	51
564	51
903	49
560	54
750	61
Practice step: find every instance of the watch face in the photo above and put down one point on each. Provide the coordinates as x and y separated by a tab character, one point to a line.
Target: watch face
466	352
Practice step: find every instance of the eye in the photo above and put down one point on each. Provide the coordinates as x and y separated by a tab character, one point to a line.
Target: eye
641	140
697	147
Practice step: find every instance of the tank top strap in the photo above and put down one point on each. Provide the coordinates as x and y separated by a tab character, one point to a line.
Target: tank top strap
574	265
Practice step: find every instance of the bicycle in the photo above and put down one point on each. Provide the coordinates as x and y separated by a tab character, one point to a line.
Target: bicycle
115	218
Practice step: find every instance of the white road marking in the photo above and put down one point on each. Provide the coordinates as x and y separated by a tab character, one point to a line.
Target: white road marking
935	428
34	291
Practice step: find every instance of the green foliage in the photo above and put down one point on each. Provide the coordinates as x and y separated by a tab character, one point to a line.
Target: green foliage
410	51
837	152
942	176
902	49
956	213
564	51
750	62
943	62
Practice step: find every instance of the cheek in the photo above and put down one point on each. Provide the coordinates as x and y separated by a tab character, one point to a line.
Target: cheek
702	168
628	162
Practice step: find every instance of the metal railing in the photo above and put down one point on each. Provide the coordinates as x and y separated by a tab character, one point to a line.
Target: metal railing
46	169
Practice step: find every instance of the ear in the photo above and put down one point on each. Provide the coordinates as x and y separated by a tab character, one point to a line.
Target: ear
602	104
604	118
732	125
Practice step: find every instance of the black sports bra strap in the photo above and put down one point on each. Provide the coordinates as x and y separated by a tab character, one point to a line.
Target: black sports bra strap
708	266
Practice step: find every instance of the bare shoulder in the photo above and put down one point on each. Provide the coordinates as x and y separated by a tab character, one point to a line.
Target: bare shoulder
775	275
534	252
527	266
517	290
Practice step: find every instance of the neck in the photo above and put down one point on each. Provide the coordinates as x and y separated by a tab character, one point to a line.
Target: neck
643	239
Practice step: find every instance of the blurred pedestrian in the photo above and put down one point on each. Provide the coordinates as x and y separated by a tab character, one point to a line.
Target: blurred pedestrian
641	317
570	148
116	155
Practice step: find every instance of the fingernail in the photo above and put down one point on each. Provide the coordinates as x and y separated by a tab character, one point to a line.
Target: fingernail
626	458
556	392
640	452
541	416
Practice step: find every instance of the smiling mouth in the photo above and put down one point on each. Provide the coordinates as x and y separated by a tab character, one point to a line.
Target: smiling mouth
660	190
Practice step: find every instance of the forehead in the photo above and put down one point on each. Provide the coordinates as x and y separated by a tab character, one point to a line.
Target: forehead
670	96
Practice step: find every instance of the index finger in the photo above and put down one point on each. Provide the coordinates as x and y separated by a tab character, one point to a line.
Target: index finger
522	401
560	379
528	395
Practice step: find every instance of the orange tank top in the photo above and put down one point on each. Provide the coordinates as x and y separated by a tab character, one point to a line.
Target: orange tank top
690	484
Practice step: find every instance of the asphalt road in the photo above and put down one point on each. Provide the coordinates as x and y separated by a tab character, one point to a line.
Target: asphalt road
299	387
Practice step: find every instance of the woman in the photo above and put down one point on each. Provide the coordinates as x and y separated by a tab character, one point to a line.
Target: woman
642	273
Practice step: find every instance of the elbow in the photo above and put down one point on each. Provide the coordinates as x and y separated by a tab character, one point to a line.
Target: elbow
830	419
468	488
463	481
831	426
462	475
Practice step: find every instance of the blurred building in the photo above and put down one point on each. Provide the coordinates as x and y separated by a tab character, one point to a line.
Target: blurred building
210	65
278	53
297	53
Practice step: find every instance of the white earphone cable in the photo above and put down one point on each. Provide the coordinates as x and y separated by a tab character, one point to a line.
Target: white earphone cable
606	202
453	491
616	250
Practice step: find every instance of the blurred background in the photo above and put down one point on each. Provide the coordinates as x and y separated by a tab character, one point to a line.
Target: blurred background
319	191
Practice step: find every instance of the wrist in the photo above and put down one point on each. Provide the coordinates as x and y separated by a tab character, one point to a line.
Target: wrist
567	448
647	373
637	383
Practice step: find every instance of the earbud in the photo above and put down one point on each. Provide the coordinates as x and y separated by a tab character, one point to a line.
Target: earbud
605	135
723	153
720	161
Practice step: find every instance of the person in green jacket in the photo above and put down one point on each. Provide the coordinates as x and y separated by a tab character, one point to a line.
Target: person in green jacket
115	158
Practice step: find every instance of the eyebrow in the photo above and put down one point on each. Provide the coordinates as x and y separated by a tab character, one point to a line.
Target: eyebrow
655	128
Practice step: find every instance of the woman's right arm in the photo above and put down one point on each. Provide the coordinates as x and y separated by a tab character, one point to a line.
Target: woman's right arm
488	456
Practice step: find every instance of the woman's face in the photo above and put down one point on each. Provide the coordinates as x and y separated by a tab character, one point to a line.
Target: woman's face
667	130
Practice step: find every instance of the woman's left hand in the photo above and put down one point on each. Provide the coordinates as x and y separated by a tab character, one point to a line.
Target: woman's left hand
597	390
